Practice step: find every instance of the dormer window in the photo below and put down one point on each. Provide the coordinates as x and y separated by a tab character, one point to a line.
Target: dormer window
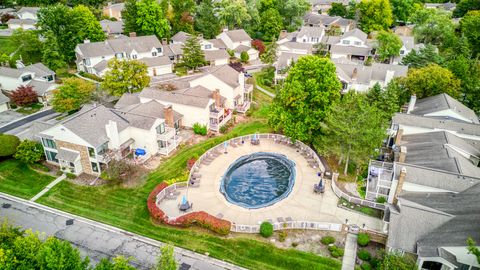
86	61
160	50
154	53
346	42
314	39
119	55
208	46
27	78
161	128
134	56
358	43
402	52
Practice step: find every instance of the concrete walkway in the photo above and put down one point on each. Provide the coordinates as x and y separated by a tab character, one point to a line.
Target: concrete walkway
348	262
268	93
47	188
97	240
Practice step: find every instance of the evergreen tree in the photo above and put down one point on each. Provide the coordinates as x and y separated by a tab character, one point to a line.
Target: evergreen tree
205	22
193	56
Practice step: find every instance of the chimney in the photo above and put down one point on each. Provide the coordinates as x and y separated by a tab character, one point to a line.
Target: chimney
401	180
164	41
216	97
132	34
168	115
112	133
86	41
283	34
354	74
411	103
403	154
389	76
398	137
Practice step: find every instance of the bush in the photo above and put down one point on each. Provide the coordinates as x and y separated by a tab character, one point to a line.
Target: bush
58	173
266	229
381	200
294	244
244	57
336	251
282	235
199	129
119	170
364	255
366	266
90	76
363	239
8	145
71	175
327	240
29	152
24	95
259	46
39	167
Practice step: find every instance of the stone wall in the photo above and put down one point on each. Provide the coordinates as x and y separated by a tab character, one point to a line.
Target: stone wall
83	150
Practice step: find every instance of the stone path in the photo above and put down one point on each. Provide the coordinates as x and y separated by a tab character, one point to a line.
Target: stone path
97	240
48	187
265	91
348	262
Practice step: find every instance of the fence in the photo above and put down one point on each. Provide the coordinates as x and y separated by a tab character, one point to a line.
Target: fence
305	225
161	195
354	200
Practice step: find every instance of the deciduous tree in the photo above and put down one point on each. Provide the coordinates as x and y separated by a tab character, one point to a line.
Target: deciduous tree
205	22
72	95
28	44
182	19
292	12
244	57
423	57
233	13
403	9
270	54
271	24
375	15
309	90
464	6
389	45
470	26
125	76
433	26
166	260
150	19
29	151
24	95
8	145
432	80
338	9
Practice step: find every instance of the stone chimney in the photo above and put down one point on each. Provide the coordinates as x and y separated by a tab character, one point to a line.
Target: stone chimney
86	41
398	137
164	41
216	97
354	74
283	34
168	114
401	180
132	34
403	154
411	103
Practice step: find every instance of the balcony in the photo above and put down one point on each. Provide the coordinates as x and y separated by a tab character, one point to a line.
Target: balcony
248	88
167	135
219	120
171	145
243	108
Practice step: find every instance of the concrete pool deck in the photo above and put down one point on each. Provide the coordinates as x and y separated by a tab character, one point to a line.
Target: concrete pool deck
302	204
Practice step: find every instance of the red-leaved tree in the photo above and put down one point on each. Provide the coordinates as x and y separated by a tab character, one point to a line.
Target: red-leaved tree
259	46
24	95
6	17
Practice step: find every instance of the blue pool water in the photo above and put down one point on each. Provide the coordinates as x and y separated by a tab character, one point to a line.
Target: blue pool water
258	180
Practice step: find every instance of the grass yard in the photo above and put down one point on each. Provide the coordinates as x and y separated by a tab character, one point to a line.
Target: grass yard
32	108
6	45
259	80
18	179
126	208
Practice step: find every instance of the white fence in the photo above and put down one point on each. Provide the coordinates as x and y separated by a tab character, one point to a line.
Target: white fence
305	225
171	188
354	200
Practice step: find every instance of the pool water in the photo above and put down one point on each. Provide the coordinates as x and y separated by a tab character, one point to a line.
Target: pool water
258	180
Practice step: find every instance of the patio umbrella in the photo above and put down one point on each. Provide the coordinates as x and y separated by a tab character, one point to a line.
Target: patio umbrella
184	200
255	136
225	145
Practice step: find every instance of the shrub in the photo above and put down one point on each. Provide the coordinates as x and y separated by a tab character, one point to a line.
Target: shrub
90	76
381	200
259	46
266	229
336	251
58	173
199	129
203	220
24	95
119	170
244	57
363	239
71	175
366	266
223	129
327	240
29	151
294	244
155	212
191	163
282	235
231	52
8	145
364	255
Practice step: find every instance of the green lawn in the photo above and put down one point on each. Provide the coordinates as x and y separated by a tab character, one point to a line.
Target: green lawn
32	108
6	45
259	78
126	208
18	179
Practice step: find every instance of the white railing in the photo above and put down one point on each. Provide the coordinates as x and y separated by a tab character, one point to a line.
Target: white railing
217	126
167	135
305	225
171	188
354	200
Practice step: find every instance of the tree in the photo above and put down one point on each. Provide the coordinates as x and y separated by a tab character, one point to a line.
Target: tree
258	45
193	56
125	76
28	44
24	95
233	13
117	263
8	145
375	15
467	71
6	17
338	9
464	6
470	26
341	125
433	26
402	9
271	24
396	261
422	57
129	16
270	54
205	23
473	249
244	57
182	19
150	19
72	95
292	12
432	80
86	24
52	56
166	260
308	92
389	45
29	151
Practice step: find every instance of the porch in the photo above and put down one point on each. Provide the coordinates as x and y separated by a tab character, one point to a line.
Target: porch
219	117
379	179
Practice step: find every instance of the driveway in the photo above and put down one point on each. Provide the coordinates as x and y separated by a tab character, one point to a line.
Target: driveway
9	116
97	240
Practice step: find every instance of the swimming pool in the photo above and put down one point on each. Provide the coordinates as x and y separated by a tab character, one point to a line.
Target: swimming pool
258	180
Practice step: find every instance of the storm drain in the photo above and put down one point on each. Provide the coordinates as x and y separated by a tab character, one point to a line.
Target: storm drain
6	205
69	222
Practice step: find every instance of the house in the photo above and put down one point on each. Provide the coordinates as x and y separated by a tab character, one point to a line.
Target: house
114	10
4	103
92	57
112	28
87	141
40	77
238	41
315	20
352	45
208	99
284	61
408	45
28	13
306	34
361	78
26	24
449	6
324	5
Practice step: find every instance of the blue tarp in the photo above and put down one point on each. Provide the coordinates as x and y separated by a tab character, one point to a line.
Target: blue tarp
140	152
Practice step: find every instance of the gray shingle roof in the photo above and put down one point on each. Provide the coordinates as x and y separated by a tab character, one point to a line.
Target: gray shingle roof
408	41
40	70
242	48
197	96
101	66
356	33
218	43
22	21
3	99
216	54
156	61
32	10
181	37
365	74
350	50
225	73
40	87
11	72
112	27
151	109
311	31
238	35
126	100
285	59
297	45
436	123
111	46
67	155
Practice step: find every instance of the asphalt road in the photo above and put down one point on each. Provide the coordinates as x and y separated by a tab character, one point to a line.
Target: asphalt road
97	240
27	119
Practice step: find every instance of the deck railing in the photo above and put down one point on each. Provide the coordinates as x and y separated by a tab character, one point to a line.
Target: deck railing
304	225
352	199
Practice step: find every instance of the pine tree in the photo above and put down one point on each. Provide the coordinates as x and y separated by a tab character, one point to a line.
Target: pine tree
193	56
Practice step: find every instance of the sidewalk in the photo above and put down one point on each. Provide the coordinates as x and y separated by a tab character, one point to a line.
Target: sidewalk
47	188
348	262
265	91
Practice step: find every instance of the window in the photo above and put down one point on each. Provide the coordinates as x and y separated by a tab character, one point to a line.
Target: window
94	166
161	128
27	78
51	156
49	143
304	40
134	56
315	39
154	53
91	152
119	55
176	125
86	61
212	107
358	43
402	52
208	46
49	78
346	42
102	149
159	50
71	164
162	144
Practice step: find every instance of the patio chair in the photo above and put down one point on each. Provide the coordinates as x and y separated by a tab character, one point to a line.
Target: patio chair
233	144
194	184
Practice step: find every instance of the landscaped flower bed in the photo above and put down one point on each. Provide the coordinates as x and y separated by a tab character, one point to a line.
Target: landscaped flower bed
200	218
